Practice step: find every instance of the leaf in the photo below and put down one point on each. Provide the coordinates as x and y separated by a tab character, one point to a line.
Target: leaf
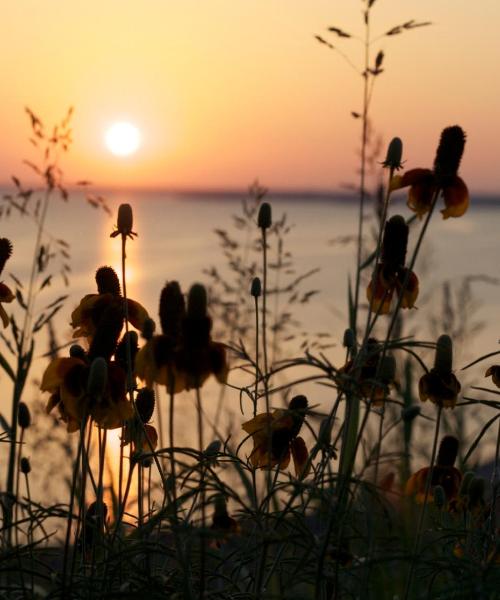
6	367
20	299
339	32
46	282
5	426
479	437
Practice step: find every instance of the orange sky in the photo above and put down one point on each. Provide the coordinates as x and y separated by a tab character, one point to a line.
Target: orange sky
227	90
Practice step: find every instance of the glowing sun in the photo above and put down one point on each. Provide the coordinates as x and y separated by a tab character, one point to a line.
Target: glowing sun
122	139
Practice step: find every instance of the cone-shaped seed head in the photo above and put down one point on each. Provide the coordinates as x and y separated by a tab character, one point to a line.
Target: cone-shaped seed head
145	403
5	252
107	281
129	340
395	241
298	403
394	154
107	333
449	152
125	221
264	220
172	309
256	289
197	301
98	378
25	465
325	433
23	416
213	448
443	359
448	449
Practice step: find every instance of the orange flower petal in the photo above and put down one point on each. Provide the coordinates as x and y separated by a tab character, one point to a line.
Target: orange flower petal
137	314
456	199
300	456
4	316
56	371
6	294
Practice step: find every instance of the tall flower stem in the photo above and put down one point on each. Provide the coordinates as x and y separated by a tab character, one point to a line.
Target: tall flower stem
418	535
364	144
202	494
264	316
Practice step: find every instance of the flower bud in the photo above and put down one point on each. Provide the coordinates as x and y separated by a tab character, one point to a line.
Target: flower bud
448	450
145	403
264	220
107	281
212	449
439	496
443	359
449	152
125	221
25	465
197	301
395	241
5	252
128	343
410	413
325	433
23	416
172	309
256	289
349	338
98	378
76	351
466	481
394	154
148	329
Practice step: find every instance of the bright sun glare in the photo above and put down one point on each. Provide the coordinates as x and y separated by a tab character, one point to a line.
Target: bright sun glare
122	139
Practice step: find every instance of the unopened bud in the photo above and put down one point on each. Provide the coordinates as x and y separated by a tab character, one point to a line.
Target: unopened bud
76	351
439	496
23	416
476	490
197	301
98	378
213	448
125	221
394	154
325	433
349	338
25	465
256	289
443	360
145	403
264	220
466	481
148	329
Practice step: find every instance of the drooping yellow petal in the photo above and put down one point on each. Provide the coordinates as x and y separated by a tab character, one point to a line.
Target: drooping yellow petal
56	371
4	316
300	457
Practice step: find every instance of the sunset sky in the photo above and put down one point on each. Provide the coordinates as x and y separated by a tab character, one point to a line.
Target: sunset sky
223	91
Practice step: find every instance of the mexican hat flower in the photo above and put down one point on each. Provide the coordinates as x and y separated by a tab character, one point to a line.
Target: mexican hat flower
440	385
276	437
155	360
91	384
86	316
184	355
426	184
6	294
373	377
391	276
443	474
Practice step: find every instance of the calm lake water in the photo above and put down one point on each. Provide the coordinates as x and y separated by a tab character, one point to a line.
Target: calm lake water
177	241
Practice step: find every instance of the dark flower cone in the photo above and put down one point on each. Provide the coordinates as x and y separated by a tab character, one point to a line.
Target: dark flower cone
449	152
448	450
107	281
